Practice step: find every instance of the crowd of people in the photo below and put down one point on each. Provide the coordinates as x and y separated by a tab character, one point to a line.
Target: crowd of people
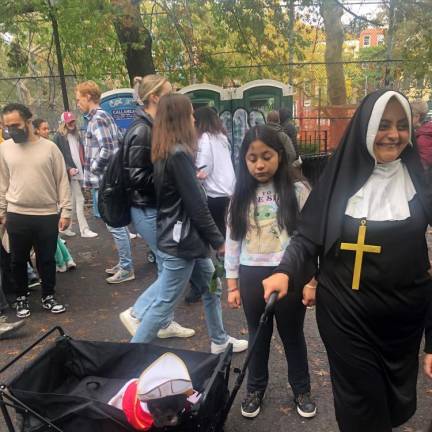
354	244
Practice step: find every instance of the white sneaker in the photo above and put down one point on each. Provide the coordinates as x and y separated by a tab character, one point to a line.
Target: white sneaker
61	269
239	345
68	233
71	265
87	233
130	322
121	276
132	236
175	330
113	270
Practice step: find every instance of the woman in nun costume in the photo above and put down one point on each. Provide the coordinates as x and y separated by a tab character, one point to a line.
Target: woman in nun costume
365	224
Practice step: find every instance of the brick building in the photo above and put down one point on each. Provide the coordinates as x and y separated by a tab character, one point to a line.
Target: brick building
371	37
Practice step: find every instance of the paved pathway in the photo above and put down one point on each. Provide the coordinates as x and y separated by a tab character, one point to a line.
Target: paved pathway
93	314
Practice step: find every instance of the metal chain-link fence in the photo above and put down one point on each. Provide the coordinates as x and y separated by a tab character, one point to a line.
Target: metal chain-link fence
41	94
319	123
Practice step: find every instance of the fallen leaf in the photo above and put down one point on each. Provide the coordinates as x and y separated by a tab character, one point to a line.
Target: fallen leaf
321	372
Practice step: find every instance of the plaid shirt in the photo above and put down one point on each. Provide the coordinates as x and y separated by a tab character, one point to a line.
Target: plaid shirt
101	141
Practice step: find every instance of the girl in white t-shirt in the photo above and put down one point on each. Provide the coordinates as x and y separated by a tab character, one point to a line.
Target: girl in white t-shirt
262	216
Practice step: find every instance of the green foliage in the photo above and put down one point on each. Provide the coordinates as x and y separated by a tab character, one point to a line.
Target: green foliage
192	41
198	41
414	40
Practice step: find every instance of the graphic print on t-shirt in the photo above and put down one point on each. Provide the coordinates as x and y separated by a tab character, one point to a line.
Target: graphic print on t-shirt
264	235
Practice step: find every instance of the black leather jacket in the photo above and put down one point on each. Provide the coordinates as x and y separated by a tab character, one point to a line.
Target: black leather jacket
137	160
181	200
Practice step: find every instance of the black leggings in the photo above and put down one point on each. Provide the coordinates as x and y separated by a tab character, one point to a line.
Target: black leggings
39	232
218	209
289	314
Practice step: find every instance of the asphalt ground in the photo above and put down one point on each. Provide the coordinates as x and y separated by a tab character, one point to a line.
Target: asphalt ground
94	306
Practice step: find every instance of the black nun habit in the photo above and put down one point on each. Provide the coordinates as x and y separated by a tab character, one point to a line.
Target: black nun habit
372	332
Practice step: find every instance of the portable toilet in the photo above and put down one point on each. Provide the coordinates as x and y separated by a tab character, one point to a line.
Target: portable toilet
121	105
208	95
263	95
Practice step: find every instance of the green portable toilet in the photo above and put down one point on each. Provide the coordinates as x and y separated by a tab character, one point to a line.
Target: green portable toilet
242	107
208	95
263	95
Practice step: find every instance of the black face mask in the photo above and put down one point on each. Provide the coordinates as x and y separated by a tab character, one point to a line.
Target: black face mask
17	134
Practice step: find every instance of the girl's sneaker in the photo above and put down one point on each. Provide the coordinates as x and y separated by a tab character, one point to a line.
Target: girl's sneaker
22	307
305	405
50	304
71	265
61	269
251	405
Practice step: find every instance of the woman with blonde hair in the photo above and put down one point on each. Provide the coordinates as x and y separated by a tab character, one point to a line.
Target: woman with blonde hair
139	174
69	142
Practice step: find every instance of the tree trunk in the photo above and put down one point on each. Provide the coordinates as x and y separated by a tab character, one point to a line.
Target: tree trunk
389	42
134	38
331	11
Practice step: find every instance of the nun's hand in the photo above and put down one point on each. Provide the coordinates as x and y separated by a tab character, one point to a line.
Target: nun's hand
427	364
276	282
309	292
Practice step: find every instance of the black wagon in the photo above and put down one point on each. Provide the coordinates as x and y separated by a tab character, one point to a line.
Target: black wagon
66	388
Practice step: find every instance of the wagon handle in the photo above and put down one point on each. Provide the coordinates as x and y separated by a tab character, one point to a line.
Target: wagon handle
268	313
23	353
270	305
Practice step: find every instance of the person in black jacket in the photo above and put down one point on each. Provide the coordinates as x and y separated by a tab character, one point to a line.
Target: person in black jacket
185	228
286	122
139	173
69	142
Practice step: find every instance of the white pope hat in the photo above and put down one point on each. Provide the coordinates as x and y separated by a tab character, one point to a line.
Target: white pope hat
166	376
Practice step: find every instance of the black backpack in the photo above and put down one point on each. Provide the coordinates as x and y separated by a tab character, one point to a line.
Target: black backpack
113	201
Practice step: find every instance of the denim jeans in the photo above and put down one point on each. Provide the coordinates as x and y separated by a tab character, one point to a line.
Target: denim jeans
144	220
167	291
31	272
122	242
95	196
201	277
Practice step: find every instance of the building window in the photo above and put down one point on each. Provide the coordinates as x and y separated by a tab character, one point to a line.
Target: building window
366	41
380	39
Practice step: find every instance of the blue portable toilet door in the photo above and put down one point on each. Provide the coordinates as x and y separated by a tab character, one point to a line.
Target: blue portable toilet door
121	105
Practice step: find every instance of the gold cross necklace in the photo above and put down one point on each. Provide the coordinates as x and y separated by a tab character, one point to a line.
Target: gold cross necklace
359	248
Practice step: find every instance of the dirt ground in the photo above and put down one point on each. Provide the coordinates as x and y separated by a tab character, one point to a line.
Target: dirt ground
93	308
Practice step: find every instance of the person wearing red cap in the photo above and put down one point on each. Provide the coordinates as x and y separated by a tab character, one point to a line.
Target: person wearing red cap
69	142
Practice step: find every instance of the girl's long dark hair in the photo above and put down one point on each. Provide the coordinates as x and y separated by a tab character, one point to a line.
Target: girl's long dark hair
245	189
